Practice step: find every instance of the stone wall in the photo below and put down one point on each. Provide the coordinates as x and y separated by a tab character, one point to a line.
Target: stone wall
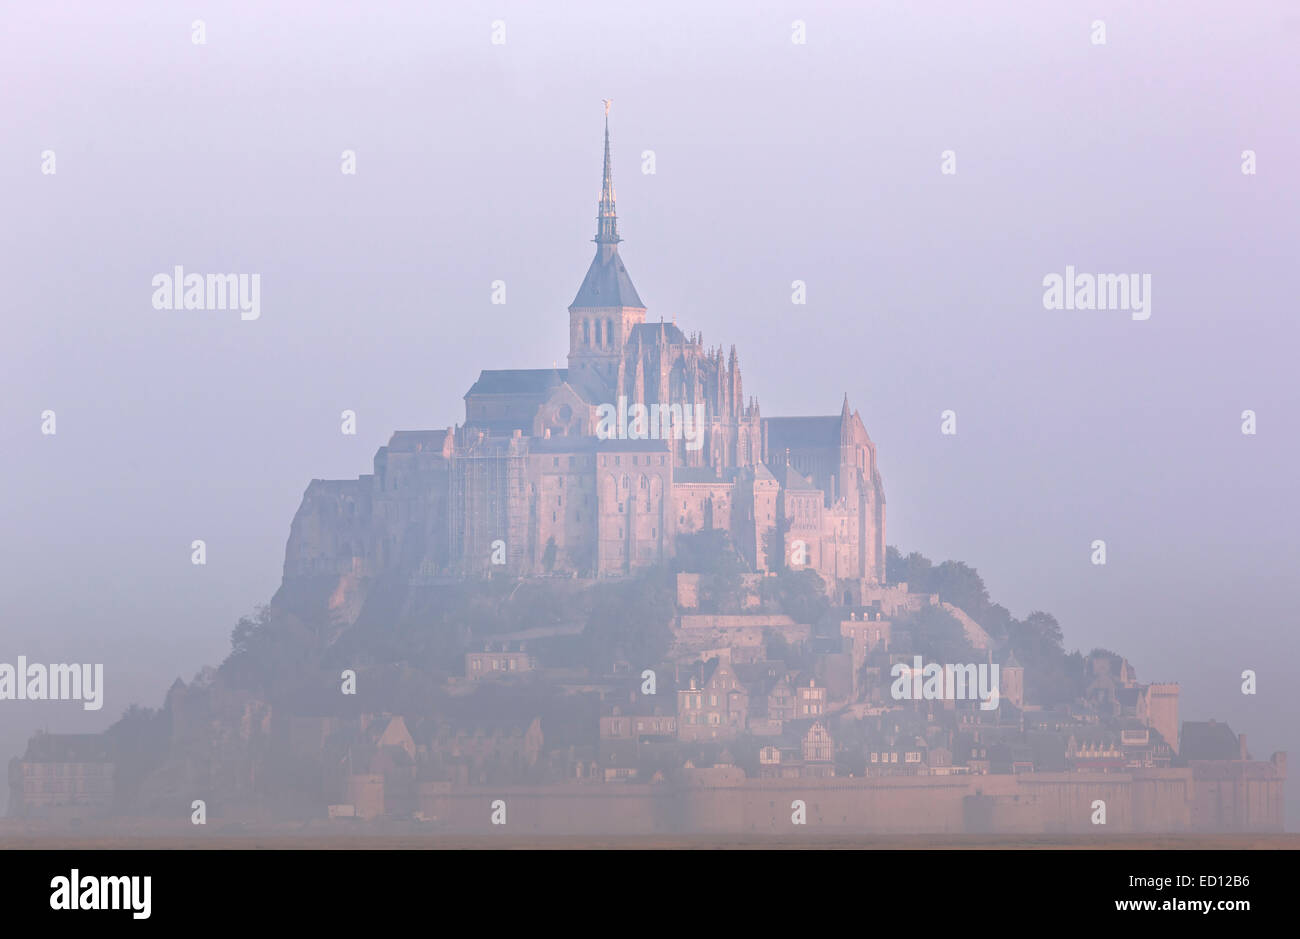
721	800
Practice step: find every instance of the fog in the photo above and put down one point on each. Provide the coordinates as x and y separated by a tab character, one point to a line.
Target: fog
774	162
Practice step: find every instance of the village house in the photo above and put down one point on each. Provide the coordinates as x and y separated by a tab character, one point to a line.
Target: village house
714	705
498	660
64	775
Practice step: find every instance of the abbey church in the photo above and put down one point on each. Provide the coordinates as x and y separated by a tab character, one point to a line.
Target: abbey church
533	481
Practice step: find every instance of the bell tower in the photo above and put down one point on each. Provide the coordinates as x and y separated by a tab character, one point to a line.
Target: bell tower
607	307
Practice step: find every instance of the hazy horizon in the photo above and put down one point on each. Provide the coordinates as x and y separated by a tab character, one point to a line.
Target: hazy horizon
775	162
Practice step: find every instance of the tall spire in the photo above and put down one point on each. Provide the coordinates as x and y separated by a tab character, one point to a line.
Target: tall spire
607	283
607	220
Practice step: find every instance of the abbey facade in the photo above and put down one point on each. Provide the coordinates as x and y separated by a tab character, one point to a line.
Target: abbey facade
595	469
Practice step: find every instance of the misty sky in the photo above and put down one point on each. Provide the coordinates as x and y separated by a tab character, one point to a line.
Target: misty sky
775	162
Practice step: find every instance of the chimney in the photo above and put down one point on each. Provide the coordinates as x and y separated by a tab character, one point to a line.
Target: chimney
1241	740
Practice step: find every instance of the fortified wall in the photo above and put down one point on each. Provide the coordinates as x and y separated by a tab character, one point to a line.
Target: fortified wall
722	801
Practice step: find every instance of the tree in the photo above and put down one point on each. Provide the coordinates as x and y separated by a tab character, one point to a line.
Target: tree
1037	642
961	585
548	554
801	595
632	620
955	582
913	570
937	636
774	545
1037	637
712	554
139	742
269	649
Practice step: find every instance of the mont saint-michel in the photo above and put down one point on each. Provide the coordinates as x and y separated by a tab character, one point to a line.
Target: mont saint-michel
596	469
618	599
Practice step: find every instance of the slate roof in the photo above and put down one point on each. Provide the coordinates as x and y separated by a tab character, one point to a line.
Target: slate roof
761	677
1049	751
648	334
607	283
794	731
795	481
408	441
1208	740
502	428
802	432
506	381
67	748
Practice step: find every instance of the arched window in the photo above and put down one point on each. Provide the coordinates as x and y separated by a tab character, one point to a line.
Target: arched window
598	341
609	331
586	332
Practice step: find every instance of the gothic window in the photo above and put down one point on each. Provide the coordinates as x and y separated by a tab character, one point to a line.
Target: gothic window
586	332
598	342
609	331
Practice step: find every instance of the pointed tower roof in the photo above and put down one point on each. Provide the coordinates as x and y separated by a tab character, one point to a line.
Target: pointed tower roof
607	283
606	217
846	421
